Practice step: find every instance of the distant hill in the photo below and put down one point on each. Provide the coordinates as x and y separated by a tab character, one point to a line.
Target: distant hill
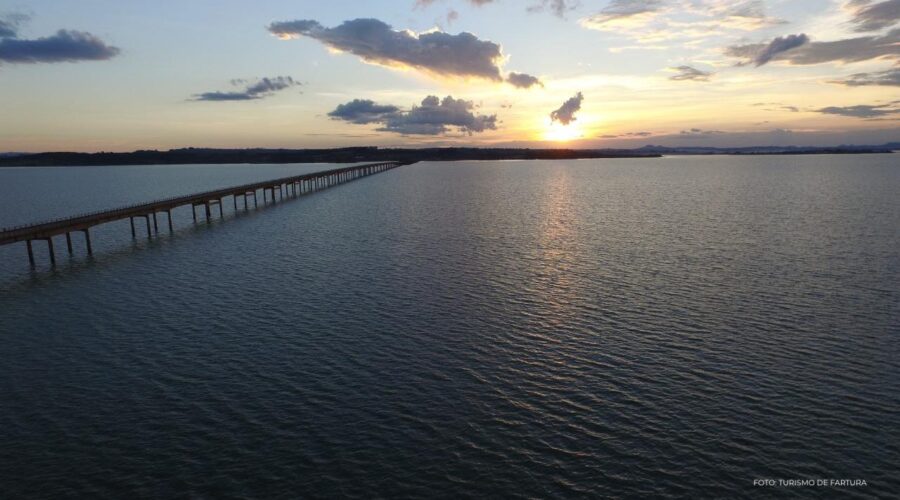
362	154
341	155
767	150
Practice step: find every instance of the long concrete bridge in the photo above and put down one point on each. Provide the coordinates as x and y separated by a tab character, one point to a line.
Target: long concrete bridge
292	186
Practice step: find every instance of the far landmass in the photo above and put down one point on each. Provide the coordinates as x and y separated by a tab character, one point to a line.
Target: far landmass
362	154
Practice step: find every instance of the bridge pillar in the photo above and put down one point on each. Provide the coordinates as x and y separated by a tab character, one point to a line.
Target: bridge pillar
133	235
52	253
169	214
208	212
155	225
30	253
87	241
221	210
69	242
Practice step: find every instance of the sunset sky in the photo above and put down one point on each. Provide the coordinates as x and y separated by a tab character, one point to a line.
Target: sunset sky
110	75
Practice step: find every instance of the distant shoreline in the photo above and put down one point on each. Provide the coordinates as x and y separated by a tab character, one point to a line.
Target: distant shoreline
195	156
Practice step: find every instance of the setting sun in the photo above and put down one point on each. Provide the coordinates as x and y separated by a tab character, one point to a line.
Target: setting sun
555	131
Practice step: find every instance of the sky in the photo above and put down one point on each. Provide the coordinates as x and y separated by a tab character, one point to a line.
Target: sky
108	75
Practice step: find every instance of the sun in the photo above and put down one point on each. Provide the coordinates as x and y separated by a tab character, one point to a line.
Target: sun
557	132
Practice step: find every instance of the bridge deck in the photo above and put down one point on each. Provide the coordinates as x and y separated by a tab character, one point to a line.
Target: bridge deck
306	182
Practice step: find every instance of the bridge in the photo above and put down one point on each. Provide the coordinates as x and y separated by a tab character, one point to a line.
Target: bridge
292	186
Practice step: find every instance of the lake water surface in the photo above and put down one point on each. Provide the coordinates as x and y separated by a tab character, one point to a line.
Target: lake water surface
673	327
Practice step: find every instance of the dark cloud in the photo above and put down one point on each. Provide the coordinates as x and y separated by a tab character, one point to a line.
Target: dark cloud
690	73
890	78
64	46
765	52
863	110
623	10
462	55
566	113
257	89
523	81
363	111
433	117
845	51
868	16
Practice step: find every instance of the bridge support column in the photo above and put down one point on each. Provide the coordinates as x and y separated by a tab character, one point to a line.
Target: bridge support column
87	241
30	253
155	225
133	235
221	210
52	253
169	214
69	242
147	218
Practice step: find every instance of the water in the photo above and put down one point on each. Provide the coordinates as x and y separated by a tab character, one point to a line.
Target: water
671	327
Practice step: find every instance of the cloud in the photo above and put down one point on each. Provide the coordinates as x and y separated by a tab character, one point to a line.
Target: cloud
664	22
462	55
433	117
627	135
890	77
9	25
863	110
258	89
696	132
748	15
844	51
776	106
868	16
624	13
64	46
690	73
766	52
477	3
363	111
558	7
566	113
523	81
